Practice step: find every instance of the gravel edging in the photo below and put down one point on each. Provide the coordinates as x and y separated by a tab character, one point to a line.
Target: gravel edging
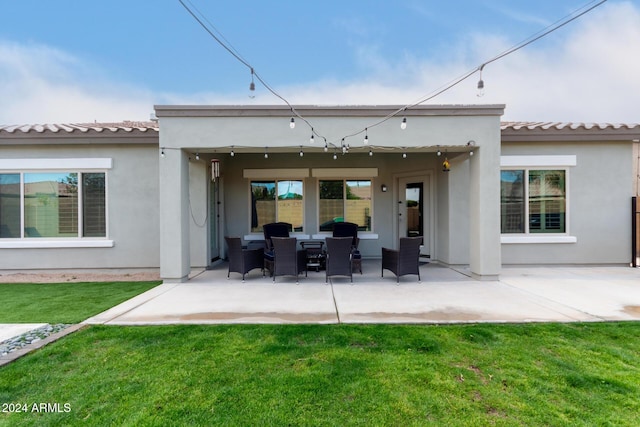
21	345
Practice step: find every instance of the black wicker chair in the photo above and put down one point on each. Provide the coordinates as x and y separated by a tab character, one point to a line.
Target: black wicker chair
288	260
349	229
243	260
339	257
273	229
405	260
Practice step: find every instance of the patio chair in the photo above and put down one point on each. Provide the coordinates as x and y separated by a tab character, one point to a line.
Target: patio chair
349	229
405	260
339	260
287	259
273	229
243	260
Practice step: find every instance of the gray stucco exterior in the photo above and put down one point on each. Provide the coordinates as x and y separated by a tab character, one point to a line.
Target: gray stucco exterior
132	239
165	211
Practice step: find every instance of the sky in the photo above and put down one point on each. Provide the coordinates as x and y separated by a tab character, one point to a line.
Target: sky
72	61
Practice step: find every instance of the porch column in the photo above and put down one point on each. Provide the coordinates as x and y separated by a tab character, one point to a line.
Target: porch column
174	216
484	222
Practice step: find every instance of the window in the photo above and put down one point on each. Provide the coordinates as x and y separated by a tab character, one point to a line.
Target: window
345	200
277	201
533	201
50	205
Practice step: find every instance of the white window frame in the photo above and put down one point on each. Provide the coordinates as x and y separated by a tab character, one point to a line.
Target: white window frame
528	163
71	165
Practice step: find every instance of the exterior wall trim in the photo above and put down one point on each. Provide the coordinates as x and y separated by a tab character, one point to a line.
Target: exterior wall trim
37	243
344	173
542	161
275	173
56	164
326	111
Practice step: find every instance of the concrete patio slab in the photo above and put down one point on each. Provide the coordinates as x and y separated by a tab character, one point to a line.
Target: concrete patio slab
445	295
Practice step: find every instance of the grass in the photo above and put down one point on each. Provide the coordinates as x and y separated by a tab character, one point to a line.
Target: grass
275	375
63	302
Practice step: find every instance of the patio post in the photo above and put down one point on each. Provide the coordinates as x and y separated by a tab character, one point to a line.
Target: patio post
174	215
484	194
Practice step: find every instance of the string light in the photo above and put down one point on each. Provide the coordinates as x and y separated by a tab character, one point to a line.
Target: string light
232	153
366	137
549	29
439	153
326	146
266	155
292	123
312	139
301	152
197	156
252	86
404	155
370	152
471	144
481	83
162	153
403	125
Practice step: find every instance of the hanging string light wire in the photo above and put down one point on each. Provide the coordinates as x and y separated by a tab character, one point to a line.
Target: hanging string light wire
450	85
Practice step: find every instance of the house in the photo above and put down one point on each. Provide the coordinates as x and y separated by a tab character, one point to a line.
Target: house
164	194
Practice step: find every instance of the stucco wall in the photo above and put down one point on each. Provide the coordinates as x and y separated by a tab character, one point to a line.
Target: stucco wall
132	206
599	196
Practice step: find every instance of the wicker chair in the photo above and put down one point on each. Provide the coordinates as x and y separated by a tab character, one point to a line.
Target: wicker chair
405	260
349	229
339	257
274	229
243	260
288	260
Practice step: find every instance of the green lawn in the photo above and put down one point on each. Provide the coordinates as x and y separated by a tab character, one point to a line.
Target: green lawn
334	375
63	302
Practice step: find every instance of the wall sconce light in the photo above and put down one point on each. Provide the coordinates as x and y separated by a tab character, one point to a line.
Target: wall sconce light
383	188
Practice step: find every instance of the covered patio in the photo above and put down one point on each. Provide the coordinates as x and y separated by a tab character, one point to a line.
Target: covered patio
218	163
445	295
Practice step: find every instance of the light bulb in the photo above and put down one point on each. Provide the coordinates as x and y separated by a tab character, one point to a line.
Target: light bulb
370	152
439	153
480	88
335	156
252	86
471	153
301	152
326	148
312	139
232	153
266	155
197	156
404	155
403	125
366	137
292	123
162	153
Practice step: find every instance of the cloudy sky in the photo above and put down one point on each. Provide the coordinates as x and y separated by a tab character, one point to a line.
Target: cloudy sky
71	61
